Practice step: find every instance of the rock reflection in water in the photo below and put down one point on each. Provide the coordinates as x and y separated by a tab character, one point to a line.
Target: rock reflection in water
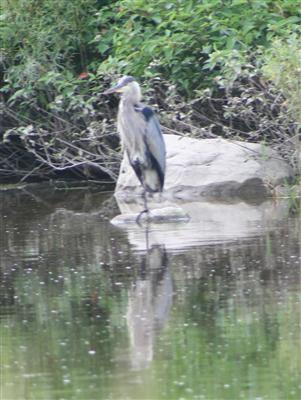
210	223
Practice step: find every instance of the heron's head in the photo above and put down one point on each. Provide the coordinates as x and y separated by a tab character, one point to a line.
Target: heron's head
127	86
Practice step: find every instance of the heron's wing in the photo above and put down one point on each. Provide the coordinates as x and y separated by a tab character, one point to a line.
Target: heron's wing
154	140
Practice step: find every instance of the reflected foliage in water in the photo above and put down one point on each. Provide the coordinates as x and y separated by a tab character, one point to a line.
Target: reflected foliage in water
85	315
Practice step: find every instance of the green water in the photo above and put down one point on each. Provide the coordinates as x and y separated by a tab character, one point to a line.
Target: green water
87	312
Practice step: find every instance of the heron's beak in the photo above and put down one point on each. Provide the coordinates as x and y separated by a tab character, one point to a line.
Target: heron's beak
114	89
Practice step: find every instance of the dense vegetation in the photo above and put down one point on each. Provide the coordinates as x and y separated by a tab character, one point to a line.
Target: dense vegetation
211	67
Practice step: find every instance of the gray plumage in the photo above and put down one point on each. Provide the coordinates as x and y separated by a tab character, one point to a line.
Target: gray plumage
141	136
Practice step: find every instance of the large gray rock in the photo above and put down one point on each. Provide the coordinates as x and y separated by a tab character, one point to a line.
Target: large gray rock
210	223
157	215
213	168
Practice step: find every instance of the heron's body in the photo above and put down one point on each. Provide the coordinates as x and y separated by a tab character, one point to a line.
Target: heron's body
136	124
141	136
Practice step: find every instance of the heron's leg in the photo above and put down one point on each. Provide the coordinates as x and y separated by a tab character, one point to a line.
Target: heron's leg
145	201
146	209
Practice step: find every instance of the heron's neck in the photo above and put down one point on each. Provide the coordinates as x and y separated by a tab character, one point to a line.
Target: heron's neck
132	96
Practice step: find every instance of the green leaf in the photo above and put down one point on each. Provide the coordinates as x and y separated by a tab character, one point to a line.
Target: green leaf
103	47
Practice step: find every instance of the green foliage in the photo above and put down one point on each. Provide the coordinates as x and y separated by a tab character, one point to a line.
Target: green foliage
190	42
44	46
283	67
56	56
51	34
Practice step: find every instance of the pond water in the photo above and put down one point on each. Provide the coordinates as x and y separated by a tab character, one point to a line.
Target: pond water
209	309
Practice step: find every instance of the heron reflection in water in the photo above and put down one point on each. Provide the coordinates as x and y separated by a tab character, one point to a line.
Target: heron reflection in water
150	301
141	137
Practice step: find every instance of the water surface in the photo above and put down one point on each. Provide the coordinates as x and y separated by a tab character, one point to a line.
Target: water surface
209	309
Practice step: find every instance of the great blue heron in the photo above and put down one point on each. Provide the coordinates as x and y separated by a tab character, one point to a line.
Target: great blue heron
141	137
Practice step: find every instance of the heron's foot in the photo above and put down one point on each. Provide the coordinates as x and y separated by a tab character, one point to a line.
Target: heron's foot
140	214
